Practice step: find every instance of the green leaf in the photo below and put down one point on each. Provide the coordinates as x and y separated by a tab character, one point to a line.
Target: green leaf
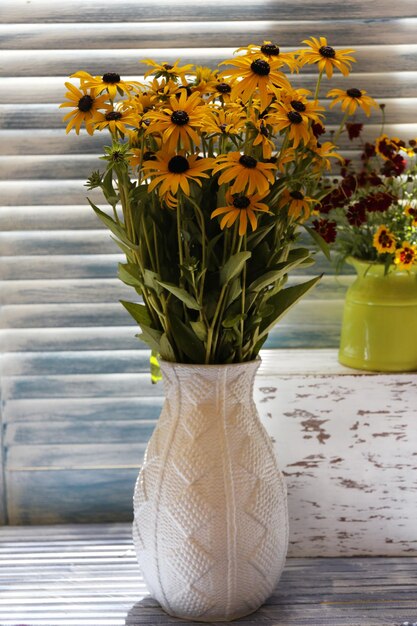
108	189
139	312
234	291
266	279
296	257
113	226
166	350
186	340
129	274
260	233
231	322
233	266
323	245
151	337
151	280
181	294
283	301
200	330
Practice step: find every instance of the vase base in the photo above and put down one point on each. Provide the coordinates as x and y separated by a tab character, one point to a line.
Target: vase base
374	366
211	619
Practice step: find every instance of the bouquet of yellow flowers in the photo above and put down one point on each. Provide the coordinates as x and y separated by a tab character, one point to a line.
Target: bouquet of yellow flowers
209	176
372	214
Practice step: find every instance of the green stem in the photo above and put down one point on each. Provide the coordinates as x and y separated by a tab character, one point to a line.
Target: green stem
242	321
340	129
148	244
284	146
316	93
179	241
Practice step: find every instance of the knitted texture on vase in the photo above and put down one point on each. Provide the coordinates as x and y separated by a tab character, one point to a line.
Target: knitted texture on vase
211	521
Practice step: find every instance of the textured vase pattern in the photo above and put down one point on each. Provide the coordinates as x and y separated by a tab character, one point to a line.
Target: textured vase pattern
211	520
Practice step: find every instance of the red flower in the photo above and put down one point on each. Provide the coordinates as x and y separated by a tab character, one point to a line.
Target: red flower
378	202
356	214
368	151
317	129
394	167
326	229
353	130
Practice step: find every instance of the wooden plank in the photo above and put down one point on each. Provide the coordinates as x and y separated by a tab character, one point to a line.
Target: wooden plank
74	266
122	338
45	11
46	192
82	266
51	497
398	110
50	141
350	469
314	312
87	386
93	338
47	90
3	493
83	409
76	433
111	290
66	290
376	58
74	166
48	166
100	362
119	35
54	141
71	315
87	575
87	456
52	217
60	242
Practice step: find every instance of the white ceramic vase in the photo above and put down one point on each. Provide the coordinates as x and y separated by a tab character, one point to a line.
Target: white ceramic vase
210	504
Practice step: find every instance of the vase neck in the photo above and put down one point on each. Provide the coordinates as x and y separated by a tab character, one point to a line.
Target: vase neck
214	385
377	270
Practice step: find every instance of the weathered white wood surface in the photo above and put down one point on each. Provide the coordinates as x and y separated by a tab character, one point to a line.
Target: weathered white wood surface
20	11
138	35
87	575
347	443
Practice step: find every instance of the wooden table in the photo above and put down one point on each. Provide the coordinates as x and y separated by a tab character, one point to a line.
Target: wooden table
87	575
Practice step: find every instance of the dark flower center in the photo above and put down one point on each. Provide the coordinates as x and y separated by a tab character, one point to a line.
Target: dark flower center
85	103
188	89
113	115
224	88
167	67
248	161
385	239
407	256
296	195
241	202
328	52
298	106
178	165
180	118
354	93
111	77
294	117
264	131
270	49
260	67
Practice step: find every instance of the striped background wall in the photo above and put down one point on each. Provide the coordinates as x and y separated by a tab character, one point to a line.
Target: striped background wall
76	403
